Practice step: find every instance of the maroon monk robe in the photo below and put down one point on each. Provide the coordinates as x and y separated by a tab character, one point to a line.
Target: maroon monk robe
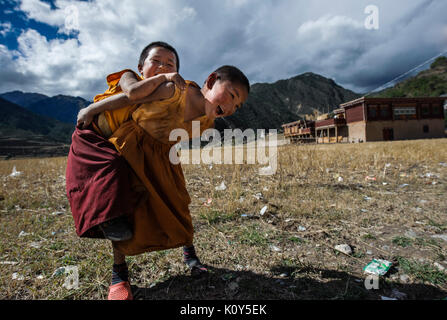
98	182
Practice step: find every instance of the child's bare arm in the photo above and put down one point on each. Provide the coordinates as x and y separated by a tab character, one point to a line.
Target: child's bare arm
137	90
85	116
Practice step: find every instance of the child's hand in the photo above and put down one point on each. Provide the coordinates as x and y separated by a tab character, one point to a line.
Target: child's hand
85	117
177	79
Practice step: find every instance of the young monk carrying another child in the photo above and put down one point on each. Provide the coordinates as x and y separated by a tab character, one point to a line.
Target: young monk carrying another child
161	218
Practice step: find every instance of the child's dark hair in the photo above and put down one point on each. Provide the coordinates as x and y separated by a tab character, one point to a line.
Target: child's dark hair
234	75
155	44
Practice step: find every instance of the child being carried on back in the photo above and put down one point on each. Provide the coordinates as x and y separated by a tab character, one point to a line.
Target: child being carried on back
140	133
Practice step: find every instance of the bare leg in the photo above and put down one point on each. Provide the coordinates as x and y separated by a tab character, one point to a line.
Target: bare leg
118	257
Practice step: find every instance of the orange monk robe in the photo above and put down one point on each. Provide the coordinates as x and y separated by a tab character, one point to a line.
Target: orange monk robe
162	220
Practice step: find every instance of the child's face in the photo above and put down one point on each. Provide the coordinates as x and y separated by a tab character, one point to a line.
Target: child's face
158	61
224	98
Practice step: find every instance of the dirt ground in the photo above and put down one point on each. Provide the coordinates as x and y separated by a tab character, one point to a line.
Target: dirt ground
262	236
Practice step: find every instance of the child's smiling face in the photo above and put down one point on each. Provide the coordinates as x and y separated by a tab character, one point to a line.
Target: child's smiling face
159	60
224	98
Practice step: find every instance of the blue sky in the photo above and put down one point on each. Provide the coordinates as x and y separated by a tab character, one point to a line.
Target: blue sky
68	47
19	22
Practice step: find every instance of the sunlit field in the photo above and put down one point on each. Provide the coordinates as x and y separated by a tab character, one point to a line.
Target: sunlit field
263	236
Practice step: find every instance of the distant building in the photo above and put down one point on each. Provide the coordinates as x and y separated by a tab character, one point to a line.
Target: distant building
300	131
376	119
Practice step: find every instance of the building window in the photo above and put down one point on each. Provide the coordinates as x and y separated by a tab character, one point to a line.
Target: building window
425	128
372	112
436	109
384	111
404	112
425	110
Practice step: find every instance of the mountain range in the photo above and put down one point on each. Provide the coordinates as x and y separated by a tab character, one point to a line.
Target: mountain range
268	106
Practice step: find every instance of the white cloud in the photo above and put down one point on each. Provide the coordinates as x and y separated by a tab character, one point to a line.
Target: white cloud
5	28
269	40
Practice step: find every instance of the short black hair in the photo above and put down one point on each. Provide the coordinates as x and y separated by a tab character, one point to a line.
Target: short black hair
156	44
234	75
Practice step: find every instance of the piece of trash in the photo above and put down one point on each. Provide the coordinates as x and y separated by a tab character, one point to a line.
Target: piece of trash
385	183
404	185
301	228
430	175
403	175
368	178
40	277
367	198
387	298
434	182
35	245
411	234
59	271
57	232
15	173
211	166
57	213
378	267
275	248
439	266
404	278
23	234
9	262
221	187
343	248
208	202
340	179
397	294
440	236
363	210
369	252
258	196
16	276
233	286
263	210
265	189
443	164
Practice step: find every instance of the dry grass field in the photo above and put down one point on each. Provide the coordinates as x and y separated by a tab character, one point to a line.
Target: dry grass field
318	198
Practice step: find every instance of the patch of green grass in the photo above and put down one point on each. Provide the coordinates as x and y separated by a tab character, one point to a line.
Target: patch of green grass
358	254
215	216
253	237
369	237
402	241
422	271
426	242
437	225
297	240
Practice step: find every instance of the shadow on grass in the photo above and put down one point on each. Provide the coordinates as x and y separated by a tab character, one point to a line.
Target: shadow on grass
288	283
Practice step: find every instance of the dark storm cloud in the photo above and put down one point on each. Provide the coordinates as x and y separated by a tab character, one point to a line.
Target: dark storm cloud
268	40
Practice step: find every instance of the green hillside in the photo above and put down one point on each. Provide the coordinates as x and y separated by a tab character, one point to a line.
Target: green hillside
428	83
16	121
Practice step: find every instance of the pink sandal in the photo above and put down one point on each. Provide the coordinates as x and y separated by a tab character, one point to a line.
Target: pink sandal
120	291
